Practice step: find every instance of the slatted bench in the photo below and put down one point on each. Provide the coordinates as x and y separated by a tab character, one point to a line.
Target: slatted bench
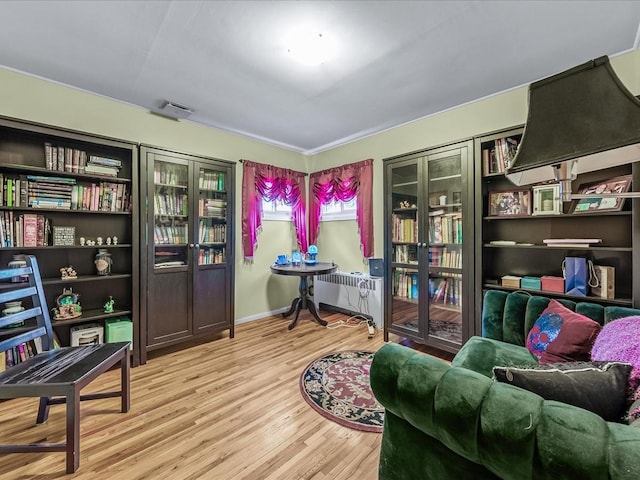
56	376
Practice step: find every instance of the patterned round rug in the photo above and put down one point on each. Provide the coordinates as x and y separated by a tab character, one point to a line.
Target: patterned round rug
337	386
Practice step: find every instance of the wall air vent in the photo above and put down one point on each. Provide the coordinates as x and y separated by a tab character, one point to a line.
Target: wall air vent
174	110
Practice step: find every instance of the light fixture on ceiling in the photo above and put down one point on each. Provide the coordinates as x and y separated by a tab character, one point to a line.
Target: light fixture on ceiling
580	120
310	47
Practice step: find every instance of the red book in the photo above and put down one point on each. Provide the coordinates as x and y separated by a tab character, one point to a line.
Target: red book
30	230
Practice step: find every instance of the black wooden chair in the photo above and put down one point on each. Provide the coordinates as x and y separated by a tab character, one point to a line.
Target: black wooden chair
55	375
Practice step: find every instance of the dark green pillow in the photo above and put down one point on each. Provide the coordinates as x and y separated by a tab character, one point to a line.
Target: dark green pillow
599	387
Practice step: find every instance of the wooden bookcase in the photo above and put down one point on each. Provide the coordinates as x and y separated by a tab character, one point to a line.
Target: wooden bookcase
530	256
428	245
26	167
188	265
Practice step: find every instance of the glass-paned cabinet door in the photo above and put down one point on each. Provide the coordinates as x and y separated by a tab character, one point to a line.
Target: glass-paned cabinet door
212	216
405	249
445	187
170	214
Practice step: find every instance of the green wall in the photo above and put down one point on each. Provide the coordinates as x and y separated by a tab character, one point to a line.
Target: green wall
257	291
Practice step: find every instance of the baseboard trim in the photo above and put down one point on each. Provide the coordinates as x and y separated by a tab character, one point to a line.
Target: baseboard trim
260	316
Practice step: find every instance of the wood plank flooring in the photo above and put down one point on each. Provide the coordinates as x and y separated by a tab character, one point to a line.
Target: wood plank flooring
228	409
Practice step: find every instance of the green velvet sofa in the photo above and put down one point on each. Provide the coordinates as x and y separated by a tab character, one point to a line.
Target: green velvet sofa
454	422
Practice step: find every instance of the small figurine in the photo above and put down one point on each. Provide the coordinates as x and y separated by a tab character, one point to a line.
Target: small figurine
99	240
68	273
82	240
108	307
108	240
68	305
115	240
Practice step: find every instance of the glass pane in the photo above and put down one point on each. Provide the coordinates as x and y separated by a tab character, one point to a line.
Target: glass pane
212	217
171	215
445	249
404	241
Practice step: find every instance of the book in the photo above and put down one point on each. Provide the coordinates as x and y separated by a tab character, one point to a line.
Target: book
571	241
101	170
30	230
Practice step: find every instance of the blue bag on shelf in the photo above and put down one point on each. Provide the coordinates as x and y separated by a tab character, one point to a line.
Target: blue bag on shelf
575	276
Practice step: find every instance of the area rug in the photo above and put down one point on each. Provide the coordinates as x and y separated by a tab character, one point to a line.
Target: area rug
337	386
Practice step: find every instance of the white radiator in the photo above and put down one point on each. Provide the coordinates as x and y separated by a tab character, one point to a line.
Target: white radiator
349	293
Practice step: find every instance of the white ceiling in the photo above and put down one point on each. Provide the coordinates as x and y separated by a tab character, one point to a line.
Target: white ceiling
397	61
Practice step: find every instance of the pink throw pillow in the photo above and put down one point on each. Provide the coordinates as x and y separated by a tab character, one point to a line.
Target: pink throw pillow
562	335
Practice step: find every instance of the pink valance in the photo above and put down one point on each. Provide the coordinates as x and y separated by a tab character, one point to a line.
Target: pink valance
344	183
271	183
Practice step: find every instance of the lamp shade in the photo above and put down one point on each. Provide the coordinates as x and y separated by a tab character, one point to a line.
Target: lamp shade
584	114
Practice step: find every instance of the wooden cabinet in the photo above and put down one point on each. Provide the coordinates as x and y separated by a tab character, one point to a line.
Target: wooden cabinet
189	260
512	244
60	187
428	241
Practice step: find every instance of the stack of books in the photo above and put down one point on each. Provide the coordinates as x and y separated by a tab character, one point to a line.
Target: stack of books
49	192
103	166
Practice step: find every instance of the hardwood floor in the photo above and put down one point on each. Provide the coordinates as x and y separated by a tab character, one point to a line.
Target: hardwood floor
229	409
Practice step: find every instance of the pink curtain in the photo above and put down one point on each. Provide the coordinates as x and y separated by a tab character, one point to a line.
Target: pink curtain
271	183
344	183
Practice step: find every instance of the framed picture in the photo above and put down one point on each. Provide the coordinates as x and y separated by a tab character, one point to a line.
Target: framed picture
510	203
595	203
546	199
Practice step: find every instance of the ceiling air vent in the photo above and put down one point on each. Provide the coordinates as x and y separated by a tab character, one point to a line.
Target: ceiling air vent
174	110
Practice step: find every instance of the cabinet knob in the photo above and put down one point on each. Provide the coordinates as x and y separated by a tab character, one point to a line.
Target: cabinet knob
191	245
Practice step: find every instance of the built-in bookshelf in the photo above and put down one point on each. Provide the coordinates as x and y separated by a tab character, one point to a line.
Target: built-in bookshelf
514	252
55	206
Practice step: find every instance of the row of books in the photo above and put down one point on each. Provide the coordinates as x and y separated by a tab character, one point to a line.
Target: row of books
209	256
171	204
23	352
37	191
212	233
446	291
211	181
170	234
405	254
445	257
96	197
445	227
73	160
404	229
499	158
25	230
405	283
166	174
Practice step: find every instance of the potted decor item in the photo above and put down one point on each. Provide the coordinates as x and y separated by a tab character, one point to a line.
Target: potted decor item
12	308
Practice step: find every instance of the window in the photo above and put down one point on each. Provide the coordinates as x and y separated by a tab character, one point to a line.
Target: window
276	210
339	210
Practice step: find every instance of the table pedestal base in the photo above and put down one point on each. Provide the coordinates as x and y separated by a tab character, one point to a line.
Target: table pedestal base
303	301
